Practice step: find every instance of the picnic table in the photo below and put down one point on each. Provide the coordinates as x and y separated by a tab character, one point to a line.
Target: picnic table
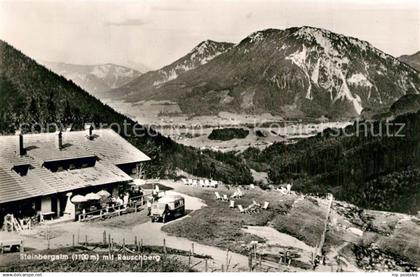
9	245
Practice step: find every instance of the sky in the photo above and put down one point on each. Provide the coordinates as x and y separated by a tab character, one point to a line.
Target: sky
157	32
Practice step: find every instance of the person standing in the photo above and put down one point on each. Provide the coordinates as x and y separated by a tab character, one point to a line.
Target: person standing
149	207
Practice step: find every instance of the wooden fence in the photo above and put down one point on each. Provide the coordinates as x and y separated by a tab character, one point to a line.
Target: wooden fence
136	204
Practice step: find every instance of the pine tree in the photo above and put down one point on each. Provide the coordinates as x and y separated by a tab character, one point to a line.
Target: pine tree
33	110
51	109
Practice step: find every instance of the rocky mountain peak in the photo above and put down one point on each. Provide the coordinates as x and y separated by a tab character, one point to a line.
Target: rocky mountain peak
297	72
201	54
330	61
96	79
207	50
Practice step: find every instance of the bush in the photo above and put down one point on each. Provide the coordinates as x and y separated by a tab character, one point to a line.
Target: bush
228	134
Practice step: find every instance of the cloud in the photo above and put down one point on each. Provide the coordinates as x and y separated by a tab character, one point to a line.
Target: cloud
127	22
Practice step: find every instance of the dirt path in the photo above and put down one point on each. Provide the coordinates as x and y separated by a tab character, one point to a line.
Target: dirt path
272	236
334	253
62	235
327	219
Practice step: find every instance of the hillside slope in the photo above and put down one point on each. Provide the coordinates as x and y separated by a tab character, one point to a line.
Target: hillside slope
32	95
199	55
297	72
409	103
412	60
374	165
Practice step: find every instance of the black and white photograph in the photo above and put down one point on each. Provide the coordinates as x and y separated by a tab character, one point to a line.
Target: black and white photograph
209	136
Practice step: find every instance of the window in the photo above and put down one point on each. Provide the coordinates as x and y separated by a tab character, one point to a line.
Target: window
22	170
179	203
70	164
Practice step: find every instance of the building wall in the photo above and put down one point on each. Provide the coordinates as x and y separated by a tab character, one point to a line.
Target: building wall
22	208
53	203
46	204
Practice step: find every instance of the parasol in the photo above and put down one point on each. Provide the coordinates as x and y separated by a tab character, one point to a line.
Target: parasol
103	193
78	199
92	196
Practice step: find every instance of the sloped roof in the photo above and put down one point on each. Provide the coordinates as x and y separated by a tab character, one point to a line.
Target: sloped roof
48	151
8	146
92	176
12	188
108	146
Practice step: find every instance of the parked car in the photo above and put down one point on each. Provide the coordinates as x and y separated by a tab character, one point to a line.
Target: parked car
167	207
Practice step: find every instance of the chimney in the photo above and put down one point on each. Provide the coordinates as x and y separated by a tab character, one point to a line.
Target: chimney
20	150
59	141
89	131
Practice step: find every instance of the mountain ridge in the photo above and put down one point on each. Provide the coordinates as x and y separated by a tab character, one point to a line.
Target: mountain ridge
199	55
299	71
95	78
412	60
